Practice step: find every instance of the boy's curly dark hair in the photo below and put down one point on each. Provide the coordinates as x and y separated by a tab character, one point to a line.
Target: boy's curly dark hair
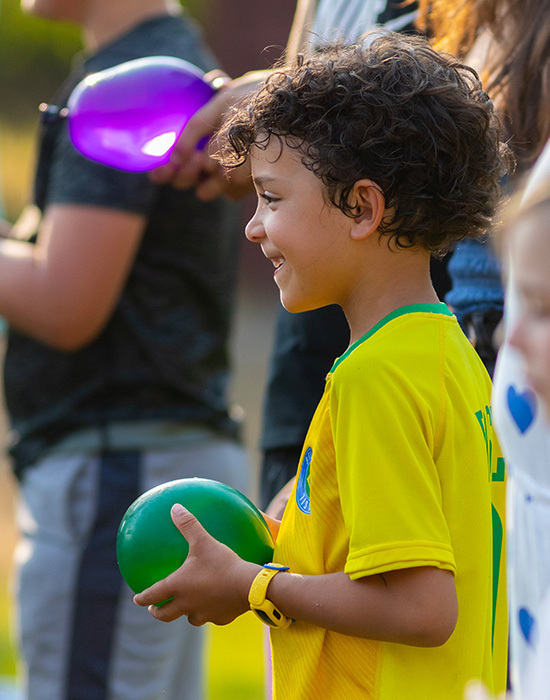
392	110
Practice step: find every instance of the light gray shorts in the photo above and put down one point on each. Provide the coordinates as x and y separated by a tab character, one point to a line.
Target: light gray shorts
81	636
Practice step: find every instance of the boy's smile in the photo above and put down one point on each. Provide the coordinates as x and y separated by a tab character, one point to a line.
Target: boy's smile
299	231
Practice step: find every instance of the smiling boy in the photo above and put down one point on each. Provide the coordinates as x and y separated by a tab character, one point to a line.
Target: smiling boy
367	159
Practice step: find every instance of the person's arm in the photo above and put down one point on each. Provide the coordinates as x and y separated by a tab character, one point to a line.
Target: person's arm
5	228
301	25
63	289
416	606
277	506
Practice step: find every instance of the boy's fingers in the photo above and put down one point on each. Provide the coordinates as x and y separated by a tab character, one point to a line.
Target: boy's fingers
192	530
211	187
166	613
156	593
187	524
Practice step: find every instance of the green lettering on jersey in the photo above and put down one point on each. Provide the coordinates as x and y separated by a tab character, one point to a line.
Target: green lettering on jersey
485	420
498	475
498	536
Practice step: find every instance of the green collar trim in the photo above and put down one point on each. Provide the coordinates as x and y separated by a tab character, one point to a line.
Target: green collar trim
440	308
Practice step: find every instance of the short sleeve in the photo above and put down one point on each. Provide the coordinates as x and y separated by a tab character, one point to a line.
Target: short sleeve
74	179
384	431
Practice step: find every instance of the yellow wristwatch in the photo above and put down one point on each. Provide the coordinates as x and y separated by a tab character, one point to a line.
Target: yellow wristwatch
264	608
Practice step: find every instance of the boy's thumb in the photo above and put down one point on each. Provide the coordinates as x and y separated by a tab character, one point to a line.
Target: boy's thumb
185	521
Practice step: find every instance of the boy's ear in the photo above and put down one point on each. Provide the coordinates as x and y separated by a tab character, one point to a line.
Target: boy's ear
371	203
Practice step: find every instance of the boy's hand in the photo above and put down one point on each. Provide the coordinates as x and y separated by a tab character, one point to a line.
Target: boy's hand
210	586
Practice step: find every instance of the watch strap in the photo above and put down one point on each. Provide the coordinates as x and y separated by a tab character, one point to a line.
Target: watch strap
260	605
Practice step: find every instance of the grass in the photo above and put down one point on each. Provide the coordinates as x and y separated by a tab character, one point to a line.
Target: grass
236	658
16	166
236	669
236	666
7	652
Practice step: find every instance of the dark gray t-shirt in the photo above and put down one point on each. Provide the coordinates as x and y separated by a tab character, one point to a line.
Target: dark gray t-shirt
163	354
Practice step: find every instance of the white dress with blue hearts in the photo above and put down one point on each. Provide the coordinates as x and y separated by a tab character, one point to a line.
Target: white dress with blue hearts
524	434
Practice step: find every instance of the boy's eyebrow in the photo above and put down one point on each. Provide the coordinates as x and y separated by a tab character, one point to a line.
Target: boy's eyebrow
263	180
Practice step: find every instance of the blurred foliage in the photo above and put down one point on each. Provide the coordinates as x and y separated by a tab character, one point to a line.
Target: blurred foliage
35	56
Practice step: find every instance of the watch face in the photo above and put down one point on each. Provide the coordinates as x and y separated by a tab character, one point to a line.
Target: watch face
264	609
264	617
274	618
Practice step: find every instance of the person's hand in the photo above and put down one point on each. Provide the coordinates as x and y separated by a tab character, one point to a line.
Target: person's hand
273	524
277	506
191	164
212	584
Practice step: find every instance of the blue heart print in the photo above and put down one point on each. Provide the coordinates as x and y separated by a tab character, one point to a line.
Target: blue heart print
527	624
523	407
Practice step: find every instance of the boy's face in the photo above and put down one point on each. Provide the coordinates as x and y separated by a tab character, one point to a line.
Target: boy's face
302	234
530	251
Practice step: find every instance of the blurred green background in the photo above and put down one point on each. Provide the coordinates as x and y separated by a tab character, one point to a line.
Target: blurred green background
35	56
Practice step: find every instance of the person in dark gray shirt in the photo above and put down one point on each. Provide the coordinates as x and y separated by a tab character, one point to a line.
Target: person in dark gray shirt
118	293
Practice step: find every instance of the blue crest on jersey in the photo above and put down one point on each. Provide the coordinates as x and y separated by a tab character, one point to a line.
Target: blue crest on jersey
302	488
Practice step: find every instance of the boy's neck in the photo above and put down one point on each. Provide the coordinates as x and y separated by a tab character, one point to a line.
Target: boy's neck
400	279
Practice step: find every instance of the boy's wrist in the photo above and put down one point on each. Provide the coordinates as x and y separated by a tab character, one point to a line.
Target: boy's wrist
260	603
246	577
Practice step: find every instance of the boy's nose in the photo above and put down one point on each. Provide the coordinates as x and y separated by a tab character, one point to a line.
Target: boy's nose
254	230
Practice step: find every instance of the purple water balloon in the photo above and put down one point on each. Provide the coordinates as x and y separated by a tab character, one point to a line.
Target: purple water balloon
130	116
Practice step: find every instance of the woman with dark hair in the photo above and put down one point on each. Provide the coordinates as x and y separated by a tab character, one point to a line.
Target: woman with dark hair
509	43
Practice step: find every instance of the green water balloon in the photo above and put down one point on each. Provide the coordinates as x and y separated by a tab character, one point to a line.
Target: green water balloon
150	547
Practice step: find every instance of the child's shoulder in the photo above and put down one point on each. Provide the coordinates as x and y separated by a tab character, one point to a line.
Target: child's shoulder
420	357
406	334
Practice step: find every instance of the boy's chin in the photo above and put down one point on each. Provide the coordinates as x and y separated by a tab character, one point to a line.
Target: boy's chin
294	307
296	303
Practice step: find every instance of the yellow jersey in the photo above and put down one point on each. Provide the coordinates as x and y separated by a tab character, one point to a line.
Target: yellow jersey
400	468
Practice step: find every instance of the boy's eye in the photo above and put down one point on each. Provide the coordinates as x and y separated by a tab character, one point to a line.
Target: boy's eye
268	198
